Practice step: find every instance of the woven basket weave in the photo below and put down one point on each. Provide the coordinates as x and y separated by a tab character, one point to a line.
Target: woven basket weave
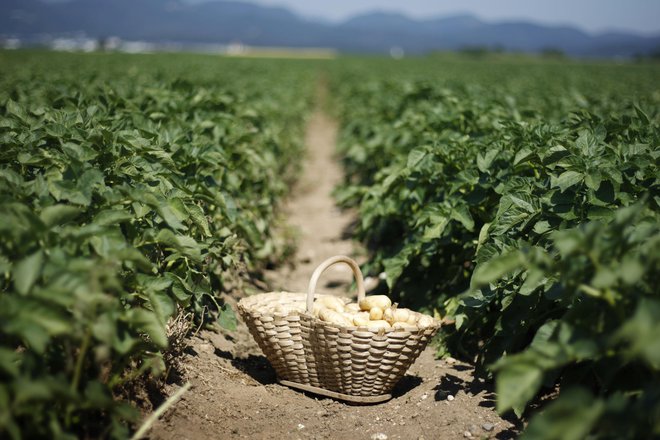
349	363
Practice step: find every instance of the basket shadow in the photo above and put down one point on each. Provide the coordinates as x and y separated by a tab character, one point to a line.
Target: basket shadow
406	384
255	366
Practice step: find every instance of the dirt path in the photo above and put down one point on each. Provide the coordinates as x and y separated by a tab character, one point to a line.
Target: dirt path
234	391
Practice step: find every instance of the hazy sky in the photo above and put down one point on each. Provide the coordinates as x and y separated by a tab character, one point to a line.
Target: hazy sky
641	16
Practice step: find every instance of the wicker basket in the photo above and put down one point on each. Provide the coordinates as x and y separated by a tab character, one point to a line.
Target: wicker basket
349	363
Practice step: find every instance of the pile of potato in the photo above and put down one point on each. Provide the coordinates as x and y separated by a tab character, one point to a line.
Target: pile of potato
373	312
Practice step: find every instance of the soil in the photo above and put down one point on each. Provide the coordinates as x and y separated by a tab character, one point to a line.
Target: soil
234	391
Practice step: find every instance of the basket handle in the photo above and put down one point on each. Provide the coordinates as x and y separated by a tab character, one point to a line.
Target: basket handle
326	264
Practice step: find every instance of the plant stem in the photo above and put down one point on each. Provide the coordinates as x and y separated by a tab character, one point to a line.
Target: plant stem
148	423
77	372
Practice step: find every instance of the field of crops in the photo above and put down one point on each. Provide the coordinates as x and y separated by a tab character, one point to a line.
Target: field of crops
523	201
130	188
518	198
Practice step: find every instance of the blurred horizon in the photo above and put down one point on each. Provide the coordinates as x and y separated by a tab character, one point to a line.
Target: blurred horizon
359	26
640	17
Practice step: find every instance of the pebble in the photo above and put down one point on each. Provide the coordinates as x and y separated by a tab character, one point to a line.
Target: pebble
425	396
450	397
301	426
379	436
487	426
467	434
474	429
451	360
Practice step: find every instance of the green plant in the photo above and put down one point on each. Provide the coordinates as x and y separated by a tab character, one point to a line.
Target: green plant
521	199
129	189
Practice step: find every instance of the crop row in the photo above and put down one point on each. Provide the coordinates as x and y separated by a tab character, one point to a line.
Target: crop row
131	188
523	202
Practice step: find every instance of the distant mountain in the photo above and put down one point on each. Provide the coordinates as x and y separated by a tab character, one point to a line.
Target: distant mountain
230	21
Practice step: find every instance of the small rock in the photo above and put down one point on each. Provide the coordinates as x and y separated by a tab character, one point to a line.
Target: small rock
379	436
451	360
301	426
487	427
467	434
450	397
474	429
425	396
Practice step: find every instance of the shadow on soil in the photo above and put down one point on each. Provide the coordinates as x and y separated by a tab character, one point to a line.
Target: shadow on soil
451	385
257	367
405	385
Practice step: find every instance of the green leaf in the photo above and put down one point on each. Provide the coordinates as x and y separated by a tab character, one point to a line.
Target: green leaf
535	278
112	217
198	217
168	213
415	157
571	417
523	155
517	382
484	161
227	318
566	180
14	108
436	228
641	333
462	214
26	272
495	268
149	323
9	362
58	214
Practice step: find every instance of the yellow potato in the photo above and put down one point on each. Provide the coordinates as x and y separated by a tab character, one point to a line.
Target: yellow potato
352	307
376	314
378	324
412	318
361	319
401	315
404	326
380	301
333	317
388	314
331	302
349	315
425	321
316	310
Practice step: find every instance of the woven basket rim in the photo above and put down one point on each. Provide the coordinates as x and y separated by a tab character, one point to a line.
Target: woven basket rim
253	309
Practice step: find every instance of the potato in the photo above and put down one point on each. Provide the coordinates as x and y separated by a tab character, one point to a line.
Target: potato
331	302
401	315
404	326
376	314
316	309
425	321
361	319
333	317
352	307
412	318
380	301
349	315
388	315
378	324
